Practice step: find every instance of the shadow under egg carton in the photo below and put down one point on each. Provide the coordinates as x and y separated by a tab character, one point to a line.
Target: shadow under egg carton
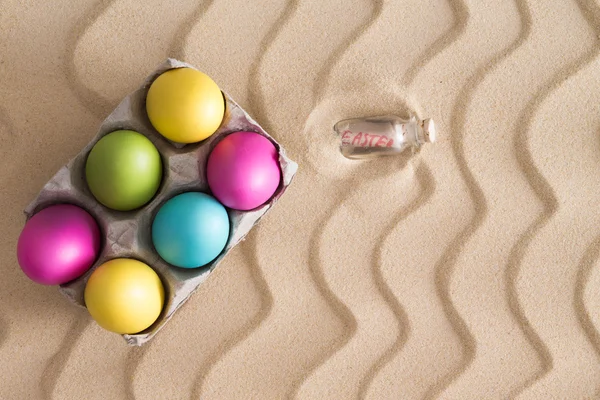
128	234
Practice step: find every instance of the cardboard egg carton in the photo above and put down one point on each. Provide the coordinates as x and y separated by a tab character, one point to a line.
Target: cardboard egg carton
128	234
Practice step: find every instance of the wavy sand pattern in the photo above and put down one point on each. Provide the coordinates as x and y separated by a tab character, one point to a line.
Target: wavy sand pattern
586	295
468	271
570	348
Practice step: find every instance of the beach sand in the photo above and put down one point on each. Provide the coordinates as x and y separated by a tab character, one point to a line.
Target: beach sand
467	271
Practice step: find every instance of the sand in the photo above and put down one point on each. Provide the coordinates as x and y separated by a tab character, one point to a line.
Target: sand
468	271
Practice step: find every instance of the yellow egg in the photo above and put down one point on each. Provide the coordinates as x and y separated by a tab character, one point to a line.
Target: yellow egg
185	105
124	295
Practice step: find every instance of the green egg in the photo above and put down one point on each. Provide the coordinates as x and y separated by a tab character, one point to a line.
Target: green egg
123	170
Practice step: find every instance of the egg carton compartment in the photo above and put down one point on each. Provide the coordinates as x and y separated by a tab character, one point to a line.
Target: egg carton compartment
128	234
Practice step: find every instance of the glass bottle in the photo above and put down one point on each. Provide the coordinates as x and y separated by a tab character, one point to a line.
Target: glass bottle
370	137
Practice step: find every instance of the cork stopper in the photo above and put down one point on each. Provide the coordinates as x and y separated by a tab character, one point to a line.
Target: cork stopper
429	131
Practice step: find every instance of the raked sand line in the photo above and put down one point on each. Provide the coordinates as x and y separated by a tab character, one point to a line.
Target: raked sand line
220	56
555	319
591	12
320	87
195	41
341	310
507	224
316	264
234	76
177	49
590	298
482	213
444	275
460	13
266	305
132	363
319	125
41	107
466	297
323	257
308	63
321	84
230	58
222	307
56	365
446	266
427	188
345	243
300	324
96	368
584	275
385	379
34	318
257	107
406	265
116	50
569	81
81	67
536	179
349	345
139	355
461	16
328	128
98	105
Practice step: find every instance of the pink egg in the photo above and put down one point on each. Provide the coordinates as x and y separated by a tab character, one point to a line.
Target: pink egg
243	170
58	244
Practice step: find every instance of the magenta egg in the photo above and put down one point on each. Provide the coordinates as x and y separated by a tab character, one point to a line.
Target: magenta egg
243	170
58	244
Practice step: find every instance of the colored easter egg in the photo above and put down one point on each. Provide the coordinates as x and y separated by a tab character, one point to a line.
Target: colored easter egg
58	244
190	230
124	296
243	170
124	170
185	105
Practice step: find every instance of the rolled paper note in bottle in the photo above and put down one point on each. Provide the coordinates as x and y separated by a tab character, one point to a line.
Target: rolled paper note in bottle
371	137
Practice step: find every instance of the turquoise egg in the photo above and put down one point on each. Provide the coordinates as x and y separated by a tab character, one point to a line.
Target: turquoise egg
190	230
